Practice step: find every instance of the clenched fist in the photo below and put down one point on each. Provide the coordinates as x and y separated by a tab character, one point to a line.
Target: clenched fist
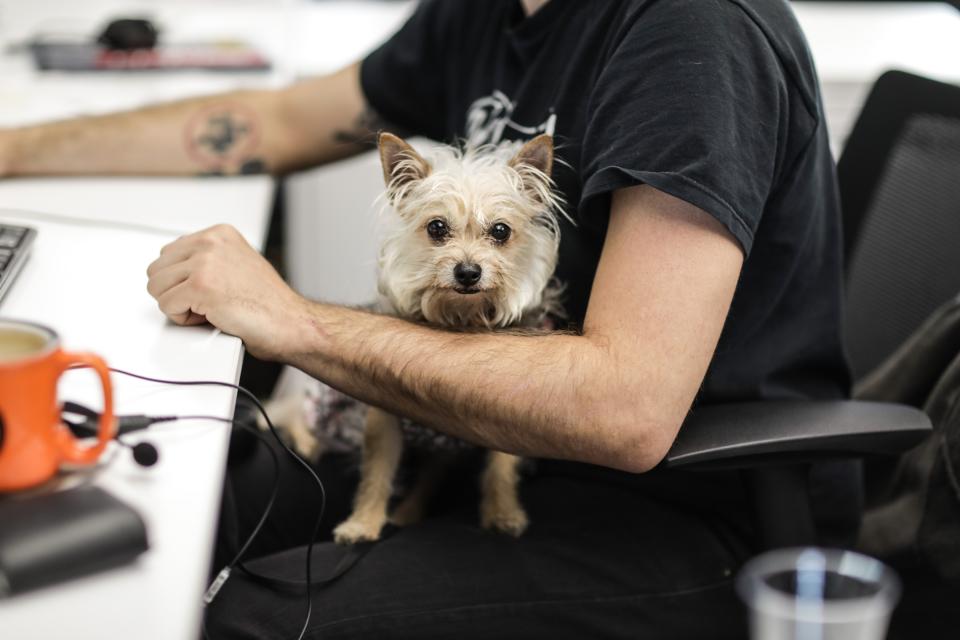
215	276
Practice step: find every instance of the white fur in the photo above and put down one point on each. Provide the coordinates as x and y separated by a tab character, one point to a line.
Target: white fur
470	190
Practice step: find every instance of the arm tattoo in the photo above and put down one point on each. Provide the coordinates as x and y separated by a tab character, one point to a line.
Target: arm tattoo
364	129
223	139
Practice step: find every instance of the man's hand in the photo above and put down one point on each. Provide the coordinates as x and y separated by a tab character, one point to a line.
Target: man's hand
215	276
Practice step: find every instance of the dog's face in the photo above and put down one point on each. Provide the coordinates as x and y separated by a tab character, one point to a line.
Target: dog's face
473	239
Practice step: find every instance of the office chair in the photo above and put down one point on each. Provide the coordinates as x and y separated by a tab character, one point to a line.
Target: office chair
900	189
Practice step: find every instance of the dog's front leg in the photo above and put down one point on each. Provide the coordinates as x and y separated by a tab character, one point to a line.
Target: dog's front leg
500	507
382	446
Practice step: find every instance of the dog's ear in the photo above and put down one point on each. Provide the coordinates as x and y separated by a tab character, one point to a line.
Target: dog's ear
401	163
534	162
537	153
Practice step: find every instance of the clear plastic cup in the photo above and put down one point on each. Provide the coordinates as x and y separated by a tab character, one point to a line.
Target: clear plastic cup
818	594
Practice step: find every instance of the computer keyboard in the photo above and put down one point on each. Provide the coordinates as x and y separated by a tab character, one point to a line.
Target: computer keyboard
15	243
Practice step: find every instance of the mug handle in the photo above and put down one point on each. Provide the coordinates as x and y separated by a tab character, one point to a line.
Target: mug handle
69	447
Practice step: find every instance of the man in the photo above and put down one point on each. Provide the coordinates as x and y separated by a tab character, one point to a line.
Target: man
704	266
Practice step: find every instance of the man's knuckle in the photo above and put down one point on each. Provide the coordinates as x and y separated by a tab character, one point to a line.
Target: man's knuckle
222	231
203	263
200	281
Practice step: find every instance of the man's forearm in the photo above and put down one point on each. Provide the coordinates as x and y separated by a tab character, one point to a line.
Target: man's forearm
615	395
220	134
536	395
227	134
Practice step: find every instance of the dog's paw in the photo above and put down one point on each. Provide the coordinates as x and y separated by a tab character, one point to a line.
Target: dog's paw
354	530
509	520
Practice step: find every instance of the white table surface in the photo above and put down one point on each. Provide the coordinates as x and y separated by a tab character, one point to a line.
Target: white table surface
300	37
88	283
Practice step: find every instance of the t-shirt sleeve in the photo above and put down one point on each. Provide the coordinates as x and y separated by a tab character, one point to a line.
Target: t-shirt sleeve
403	79
689	102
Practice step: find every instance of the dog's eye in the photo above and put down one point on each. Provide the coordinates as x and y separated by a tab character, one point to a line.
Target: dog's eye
437	229
500	232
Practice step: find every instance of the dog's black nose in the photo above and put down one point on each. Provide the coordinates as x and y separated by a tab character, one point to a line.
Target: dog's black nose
467	274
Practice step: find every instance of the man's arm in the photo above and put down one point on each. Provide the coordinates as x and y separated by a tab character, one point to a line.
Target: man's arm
615	395
310	122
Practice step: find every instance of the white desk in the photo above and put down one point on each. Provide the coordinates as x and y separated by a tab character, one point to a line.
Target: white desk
88	283
300	37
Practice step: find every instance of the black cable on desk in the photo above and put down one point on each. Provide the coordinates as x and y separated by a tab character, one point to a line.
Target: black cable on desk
224	574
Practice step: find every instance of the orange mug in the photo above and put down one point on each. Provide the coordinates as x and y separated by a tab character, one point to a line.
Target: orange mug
33	440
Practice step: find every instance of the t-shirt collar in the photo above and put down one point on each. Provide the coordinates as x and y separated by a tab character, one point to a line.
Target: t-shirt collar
527	32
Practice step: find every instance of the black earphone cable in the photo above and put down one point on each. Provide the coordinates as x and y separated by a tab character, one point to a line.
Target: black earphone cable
225	573
263	516
268	508
348	561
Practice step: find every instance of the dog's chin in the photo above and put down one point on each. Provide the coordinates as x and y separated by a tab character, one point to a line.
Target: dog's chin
466	306
468	291
467	295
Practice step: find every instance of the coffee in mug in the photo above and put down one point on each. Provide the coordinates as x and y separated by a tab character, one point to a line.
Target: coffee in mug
33	440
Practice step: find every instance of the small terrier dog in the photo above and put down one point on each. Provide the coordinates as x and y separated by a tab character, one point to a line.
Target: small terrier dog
470	241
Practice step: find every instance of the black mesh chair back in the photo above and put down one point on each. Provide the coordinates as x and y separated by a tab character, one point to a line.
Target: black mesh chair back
900	190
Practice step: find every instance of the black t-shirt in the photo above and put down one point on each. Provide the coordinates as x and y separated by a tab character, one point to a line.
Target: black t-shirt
713	101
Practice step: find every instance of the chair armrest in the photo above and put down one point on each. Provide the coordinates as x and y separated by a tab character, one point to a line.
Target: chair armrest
760	433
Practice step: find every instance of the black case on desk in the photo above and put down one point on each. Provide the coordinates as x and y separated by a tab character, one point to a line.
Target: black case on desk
55	537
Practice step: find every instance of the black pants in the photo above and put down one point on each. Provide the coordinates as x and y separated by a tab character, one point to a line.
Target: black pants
600	559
